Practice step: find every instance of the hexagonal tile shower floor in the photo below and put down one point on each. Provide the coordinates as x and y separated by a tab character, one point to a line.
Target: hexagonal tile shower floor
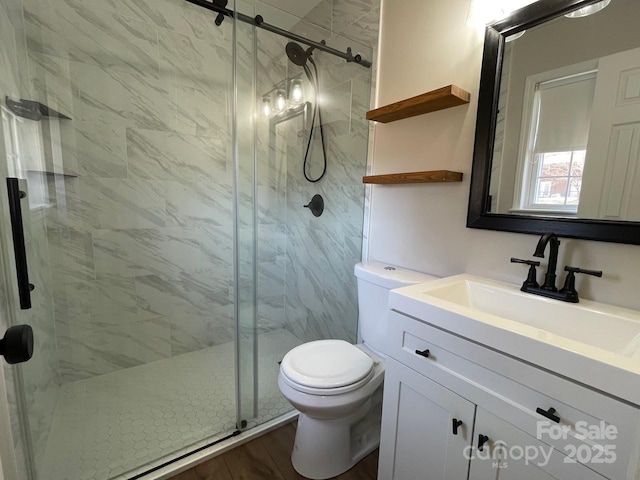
107	426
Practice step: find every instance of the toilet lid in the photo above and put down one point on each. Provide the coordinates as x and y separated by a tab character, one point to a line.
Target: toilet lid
326	364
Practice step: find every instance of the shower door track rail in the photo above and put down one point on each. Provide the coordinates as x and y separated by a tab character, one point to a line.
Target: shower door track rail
186	455
258	21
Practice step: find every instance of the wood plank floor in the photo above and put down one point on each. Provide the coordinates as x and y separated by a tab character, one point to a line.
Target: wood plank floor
268	458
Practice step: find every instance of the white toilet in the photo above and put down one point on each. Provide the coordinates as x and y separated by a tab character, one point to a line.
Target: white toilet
336	386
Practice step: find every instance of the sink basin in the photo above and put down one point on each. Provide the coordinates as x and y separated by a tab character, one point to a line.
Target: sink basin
592	343
613	329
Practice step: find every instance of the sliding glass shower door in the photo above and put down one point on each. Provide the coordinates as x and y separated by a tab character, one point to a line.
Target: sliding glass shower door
117	122
304	287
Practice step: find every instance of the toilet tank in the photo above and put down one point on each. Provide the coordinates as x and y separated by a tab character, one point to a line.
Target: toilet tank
375	281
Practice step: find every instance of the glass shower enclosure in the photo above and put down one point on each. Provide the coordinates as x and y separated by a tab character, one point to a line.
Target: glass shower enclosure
172	259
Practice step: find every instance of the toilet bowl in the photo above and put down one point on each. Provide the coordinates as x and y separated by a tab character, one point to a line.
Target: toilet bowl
330	405
337	386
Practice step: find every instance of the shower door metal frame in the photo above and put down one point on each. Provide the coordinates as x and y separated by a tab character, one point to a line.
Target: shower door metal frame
258	22
244	412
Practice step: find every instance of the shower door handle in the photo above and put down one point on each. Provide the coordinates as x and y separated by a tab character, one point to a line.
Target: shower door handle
15	210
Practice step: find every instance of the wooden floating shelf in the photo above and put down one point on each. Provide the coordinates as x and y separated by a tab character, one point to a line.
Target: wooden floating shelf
436	176
446	97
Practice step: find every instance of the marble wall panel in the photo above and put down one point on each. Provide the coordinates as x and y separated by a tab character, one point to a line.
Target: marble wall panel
349	154
117	204
71	255
132	253
270	312
100	149
86	353
91	34
126	99
64	195
192	294
180	17
194	62
366	28
336	109
321	15
345	12
204	111
174	156
192	202
195	332
52	82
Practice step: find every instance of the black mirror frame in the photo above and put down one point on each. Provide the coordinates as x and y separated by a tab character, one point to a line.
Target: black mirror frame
478	214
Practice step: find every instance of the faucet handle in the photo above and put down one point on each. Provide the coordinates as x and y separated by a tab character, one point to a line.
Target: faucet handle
569	288
595	273
531	281
531	263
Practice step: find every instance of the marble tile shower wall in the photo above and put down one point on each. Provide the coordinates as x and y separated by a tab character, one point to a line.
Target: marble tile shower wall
305	267
141	239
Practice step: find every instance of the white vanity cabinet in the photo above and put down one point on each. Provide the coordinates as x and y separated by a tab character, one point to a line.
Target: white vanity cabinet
434	378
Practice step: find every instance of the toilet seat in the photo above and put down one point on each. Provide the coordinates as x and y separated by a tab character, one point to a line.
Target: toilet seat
327	367
327	392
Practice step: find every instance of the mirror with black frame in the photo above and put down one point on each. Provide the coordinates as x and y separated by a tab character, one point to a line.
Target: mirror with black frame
558	135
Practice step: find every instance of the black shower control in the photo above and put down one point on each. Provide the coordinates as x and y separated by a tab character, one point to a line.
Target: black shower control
17	344
316	205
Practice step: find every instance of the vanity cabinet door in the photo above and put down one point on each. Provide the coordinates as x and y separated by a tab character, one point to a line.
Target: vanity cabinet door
508	453
418	440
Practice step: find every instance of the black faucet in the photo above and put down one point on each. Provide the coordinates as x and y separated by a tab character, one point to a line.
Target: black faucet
554	245
548	289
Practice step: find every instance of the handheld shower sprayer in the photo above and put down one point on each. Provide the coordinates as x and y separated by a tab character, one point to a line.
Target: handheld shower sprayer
302	58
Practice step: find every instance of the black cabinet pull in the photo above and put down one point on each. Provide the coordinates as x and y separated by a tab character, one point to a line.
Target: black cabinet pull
20	251
424	353
482	440
456	425
550	414
17	344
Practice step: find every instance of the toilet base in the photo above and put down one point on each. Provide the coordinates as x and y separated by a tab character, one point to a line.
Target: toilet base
327	448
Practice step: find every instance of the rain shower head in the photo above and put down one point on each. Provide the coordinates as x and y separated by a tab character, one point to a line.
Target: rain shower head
297	54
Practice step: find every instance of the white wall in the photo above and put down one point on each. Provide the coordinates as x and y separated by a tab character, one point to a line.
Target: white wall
424	46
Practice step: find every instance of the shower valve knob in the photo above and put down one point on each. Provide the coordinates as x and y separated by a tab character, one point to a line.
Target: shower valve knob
316	205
